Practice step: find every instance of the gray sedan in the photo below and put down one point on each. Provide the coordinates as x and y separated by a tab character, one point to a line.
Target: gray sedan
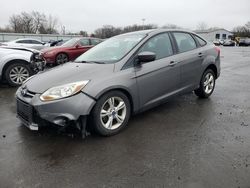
123	75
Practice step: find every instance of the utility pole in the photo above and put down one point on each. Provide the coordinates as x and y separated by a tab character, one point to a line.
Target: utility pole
143	20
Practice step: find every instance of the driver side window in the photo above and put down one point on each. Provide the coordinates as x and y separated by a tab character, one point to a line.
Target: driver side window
160	45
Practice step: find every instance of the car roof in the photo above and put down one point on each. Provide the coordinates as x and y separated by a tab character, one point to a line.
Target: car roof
27	39
156	31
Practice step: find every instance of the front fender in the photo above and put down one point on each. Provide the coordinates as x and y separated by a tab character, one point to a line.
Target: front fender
5	59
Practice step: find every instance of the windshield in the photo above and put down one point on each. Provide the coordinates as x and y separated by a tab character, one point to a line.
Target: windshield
111	50
70	42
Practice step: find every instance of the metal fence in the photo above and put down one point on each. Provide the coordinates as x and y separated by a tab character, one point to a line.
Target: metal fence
4	37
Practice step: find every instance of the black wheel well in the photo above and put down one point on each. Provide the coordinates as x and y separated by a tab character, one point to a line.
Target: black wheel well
213	68
62	53
11	62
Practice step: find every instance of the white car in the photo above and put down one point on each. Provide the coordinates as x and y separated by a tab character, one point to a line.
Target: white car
18	64
26	43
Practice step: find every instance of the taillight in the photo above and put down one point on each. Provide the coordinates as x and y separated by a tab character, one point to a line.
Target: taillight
217	50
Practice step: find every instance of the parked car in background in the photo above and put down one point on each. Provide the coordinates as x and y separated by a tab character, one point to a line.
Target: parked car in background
229	43
26	43
69	50
55	43
244	42
219	42
216	43
121	76
18	64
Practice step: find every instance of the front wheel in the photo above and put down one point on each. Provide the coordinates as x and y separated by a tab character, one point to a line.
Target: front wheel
62	58
17	73
207	84
111	113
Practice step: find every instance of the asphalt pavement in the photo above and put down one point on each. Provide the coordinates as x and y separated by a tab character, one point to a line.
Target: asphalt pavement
187	142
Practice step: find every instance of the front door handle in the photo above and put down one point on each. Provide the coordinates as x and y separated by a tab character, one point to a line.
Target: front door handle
172	63
200	54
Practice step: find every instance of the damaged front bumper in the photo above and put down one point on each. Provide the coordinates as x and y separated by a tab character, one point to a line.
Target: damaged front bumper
37	62
34	113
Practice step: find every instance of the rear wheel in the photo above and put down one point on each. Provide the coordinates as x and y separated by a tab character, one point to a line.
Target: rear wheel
17	73
62	58
207	84
111	113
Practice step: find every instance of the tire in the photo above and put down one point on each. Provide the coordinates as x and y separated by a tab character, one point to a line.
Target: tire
207	84
62	58
16	73
108	121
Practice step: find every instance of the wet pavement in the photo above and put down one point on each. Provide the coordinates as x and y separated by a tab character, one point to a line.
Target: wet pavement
187	142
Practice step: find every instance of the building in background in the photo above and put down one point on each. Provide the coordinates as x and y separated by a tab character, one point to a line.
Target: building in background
215	34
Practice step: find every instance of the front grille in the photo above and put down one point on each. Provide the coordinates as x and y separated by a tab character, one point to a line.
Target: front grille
24	111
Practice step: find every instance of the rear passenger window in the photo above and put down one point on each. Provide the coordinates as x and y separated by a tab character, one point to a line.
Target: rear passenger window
200	41
160	45
84	42
35	42
185	41
23	41
95	41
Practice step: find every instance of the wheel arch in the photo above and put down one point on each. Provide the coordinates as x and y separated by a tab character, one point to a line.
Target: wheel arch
9	63
121	89
213	68
62	52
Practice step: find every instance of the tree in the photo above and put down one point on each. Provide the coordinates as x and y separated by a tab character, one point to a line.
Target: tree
241	31
51	25
33	22
171	26
39	20
108	31
201	26
83	33
248	25
15	23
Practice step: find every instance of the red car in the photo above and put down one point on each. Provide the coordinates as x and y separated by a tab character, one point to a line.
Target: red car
68	51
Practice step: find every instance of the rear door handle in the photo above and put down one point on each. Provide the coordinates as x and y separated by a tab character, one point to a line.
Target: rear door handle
200	54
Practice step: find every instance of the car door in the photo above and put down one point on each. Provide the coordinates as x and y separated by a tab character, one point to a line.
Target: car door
158	79
81	46
190	59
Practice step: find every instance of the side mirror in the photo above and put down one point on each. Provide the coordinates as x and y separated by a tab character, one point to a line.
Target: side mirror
145	57
77	46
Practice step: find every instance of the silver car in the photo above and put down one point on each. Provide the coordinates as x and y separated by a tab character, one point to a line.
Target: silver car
122	76
26	43
18	64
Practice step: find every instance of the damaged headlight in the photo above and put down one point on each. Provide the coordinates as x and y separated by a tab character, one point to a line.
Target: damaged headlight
63	91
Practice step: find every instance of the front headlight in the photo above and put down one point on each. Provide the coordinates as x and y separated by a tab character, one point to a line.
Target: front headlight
63	91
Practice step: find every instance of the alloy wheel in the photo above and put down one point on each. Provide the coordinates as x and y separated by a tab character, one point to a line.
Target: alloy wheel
208	83
113	113
18	74
62	58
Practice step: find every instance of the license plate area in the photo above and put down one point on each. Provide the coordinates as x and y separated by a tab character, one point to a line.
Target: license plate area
25	111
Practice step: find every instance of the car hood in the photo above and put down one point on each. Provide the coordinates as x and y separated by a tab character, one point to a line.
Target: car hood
4	52
54	48
68	73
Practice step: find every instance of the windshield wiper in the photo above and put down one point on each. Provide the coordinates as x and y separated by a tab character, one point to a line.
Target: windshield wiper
97	62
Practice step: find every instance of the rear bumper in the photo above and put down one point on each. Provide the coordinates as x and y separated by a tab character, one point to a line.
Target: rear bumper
32	111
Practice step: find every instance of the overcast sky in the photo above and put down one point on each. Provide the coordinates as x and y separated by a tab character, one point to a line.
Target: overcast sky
88	15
